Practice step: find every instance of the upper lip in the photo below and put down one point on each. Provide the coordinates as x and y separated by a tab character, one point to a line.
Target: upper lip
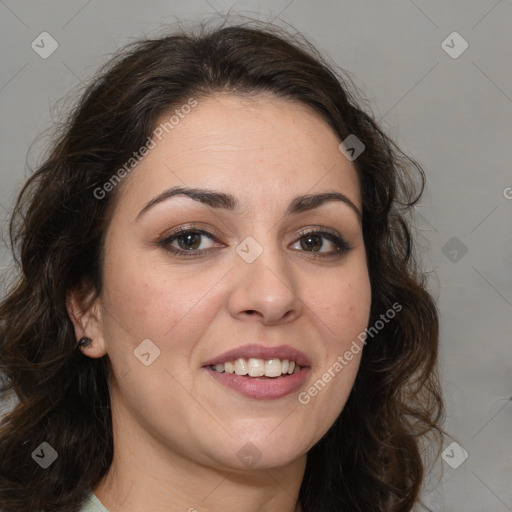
262	352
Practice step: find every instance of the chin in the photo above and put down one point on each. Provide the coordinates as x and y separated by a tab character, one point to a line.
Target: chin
259	455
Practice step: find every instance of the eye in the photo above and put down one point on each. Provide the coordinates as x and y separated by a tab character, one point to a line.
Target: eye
322	243
188	242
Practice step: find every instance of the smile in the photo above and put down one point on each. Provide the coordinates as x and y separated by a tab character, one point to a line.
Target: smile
259	371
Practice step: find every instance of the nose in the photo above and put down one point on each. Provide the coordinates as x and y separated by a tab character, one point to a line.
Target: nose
265	290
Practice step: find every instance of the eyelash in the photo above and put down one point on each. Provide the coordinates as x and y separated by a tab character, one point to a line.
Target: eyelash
342	245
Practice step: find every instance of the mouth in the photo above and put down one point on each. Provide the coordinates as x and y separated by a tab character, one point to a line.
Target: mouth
259	372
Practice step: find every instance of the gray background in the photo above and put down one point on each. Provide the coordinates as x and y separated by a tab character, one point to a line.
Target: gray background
454	115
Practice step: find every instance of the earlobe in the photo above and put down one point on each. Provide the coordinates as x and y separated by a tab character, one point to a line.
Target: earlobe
86	318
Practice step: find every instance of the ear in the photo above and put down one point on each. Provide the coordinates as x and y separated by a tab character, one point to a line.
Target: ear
86	315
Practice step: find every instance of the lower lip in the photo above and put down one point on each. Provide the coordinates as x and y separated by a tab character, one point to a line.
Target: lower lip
261	388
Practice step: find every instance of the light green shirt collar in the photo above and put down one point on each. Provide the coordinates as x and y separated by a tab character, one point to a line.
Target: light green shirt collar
93	504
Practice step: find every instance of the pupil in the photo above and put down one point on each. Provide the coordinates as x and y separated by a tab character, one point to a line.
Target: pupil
189	241
311	242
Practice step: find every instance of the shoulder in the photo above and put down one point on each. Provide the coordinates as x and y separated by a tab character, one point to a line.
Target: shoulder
93	504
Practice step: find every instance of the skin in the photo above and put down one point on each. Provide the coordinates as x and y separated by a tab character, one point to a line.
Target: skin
177	431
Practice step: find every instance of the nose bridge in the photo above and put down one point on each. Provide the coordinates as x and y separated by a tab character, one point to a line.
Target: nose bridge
264	280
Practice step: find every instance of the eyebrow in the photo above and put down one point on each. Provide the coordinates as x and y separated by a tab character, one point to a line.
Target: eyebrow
221	200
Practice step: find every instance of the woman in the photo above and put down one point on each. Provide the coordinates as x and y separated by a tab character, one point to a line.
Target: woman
217	307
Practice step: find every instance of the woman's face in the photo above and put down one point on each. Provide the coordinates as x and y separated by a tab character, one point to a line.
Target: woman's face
264	264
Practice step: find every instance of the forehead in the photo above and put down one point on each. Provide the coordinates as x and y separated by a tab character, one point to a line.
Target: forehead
256	147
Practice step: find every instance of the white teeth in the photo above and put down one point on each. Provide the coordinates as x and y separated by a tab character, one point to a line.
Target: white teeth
241	367
273	368
258	367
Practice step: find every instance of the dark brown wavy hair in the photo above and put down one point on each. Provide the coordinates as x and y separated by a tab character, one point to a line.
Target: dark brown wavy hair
371	459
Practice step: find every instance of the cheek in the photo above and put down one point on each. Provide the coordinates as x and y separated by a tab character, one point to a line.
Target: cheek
342	305
153	301
341	310
173	308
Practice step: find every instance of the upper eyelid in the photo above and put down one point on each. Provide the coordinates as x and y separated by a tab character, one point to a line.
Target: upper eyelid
305	231
186	229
